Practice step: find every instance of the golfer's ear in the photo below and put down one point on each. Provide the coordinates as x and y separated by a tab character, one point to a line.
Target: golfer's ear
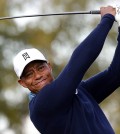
22	83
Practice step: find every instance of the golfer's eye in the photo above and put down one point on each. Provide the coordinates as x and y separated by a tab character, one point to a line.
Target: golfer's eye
41	68
29	74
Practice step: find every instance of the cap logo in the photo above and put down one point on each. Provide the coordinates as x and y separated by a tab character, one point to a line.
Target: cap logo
25	56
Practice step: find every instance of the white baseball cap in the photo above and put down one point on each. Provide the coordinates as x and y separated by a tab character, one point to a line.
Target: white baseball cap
24	57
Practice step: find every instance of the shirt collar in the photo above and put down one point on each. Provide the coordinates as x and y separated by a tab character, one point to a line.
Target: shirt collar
31	96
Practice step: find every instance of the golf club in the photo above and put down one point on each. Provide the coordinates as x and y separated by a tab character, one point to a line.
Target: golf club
53	14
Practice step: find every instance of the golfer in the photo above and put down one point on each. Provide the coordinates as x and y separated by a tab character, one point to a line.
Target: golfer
68	104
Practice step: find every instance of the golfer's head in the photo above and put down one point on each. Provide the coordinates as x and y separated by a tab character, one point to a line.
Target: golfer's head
33	70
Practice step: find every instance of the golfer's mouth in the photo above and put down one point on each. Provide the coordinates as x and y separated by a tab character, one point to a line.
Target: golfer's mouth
40	82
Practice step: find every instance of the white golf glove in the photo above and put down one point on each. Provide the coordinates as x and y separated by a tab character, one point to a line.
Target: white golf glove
117	16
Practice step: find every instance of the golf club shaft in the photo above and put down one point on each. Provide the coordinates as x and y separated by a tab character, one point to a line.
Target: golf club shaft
53	14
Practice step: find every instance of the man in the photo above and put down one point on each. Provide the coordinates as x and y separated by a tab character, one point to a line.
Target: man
68	105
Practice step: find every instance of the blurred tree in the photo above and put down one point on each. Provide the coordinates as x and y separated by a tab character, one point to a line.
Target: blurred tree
56	37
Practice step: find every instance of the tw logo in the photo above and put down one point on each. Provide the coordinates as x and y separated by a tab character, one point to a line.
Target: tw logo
25	56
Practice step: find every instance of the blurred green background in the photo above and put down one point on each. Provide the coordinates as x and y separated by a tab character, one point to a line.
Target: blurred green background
56	37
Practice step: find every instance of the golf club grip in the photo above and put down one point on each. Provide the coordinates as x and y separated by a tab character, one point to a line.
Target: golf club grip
95	12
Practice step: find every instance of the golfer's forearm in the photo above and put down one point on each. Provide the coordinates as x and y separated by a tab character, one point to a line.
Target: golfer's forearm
90	48
115	65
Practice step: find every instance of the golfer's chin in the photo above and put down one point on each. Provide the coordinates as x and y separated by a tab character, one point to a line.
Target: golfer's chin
40	86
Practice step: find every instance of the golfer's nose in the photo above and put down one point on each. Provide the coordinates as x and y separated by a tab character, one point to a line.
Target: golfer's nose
37	75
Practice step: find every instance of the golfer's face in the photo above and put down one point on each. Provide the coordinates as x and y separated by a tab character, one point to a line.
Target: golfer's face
36	75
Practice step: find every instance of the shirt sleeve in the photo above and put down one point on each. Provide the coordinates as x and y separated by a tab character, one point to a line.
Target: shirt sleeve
103	84
59	94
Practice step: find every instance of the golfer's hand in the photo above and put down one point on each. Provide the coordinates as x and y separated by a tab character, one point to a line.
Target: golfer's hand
108	10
